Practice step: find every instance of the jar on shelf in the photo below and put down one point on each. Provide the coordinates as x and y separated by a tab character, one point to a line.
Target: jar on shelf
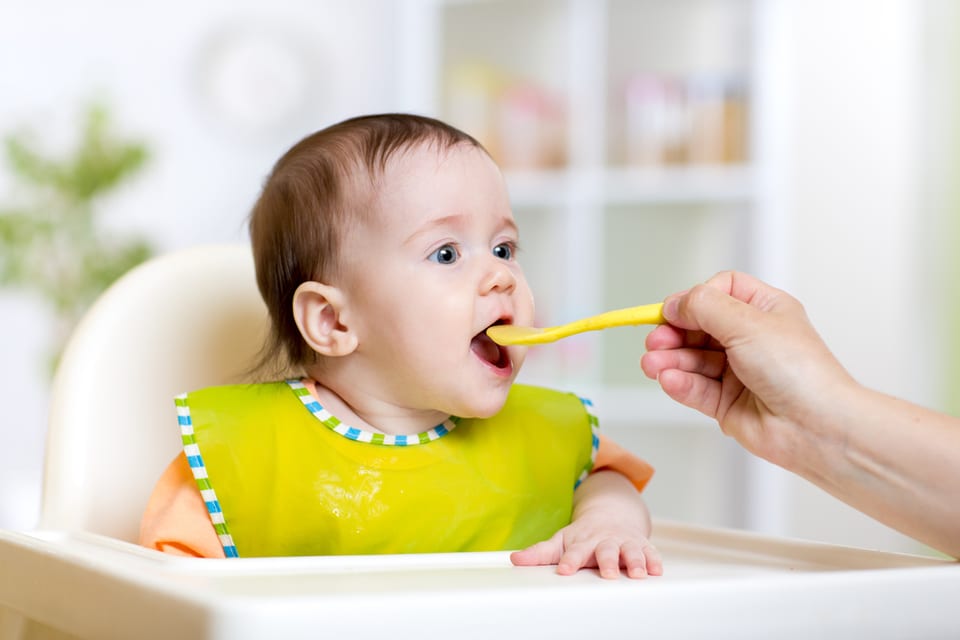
655	120
699	119
717	112
473	89
531	128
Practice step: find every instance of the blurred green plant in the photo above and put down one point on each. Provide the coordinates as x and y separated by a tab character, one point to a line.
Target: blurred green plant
50	242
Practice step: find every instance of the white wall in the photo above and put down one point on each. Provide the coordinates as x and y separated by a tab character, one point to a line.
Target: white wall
855	177
855	183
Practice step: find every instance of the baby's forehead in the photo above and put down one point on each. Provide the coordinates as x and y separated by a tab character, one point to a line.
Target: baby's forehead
414	168
419	178
416	153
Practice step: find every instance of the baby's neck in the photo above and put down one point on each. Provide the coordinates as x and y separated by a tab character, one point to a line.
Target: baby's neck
369	413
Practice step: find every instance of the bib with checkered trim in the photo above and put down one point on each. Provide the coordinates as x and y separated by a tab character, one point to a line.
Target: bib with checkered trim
283	477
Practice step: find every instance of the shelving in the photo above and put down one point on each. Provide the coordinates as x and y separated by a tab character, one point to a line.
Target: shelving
631	185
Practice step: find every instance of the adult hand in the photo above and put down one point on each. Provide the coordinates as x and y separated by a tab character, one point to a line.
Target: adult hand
744	353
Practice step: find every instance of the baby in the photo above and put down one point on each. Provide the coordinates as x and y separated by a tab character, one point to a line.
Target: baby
385	246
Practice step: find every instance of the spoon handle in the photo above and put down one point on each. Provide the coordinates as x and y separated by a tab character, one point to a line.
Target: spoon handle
643	314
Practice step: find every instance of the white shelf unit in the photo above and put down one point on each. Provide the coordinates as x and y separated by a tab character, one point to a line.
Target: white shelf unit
603	227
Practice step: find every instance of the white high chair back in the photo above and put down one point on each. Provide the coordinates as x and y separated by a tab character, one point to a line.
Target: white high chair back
178	322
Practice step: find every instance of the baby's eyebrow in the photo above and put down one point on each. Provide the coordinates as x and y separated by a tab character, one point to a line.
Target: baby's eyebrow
456	220
453	220
510	224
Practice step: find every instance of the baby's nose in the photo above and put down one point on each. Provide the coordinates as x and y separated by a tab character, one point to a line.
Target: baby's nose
499	278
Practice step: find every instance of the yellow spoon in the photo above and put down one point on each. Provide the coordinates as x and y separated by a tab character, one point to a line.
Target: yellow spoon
506	334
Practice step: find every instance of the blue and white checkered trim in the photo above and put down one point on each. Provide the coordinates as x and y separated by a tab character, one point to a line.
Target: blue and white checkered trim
352	433
199	469
595	440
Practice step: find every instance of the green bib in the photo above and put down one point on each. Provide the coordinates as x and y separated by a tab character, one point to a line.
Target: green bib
282	477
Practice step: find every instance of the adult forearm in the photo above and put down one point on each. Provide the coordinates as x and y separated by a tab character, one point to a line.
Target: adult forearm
893	460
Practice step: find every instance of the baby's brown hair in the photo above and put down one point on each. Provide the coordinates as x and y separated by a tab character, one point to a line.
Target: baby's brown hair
313	193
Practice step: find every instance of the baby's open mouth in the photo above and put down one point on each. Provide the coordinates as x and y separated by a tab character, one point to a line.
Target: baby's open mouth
487	349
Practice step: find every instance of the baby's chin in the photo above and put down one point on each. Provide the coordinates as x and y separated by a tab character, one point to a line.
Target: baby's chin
483	410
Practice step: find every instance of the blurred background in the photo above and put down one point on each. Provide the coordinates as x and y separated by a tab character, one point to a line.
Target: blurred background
647	144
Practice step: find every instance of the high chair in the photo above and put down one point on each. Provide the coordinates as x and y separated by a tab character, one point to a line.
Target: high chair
194	318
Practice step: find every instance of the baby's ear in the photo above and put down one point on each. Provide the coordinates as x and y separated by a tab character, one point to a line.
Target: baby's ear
318	311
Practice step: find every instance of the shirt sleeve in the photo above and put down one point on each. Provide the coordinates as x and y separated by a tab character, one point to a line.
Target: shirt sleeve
176	519
613	457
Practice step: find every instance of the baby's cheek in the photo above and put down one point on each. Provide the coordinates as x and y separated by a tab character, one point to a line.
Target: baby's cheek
529	307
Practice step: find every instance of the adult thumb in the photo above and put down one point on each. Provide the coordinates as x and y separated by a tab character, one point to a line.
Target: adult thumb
710	310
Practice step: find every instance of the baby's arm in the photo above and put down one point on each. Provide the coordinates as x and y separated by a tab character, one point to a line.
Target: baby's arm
176	520
609	530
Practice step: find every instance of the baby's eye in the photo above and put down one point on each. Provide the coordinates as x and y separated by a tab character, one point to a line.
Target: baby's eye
447	254
504	250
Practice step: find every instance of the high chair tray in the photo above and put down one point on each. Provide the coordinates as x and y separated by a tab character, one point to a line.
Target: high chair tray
716	583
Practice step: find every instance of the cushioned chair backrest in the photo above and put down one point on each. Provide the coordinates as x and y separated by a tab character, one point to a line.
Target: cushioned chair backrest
180	321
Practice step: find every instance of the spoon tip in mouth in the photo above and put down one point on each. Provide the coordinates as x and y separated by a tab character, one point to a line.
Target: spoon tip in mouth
510	334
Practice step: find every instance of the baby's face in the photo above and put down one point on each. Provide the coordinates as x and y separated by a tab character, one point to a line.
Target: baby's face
433	268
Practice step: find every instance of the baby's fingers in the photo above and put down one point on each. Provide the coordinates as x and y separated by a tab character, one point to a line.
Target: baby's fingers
575	557
546	552
608	559
641	559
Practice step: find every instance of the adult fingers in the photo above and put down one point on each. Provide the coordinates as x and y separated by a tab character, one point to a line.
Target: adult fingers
727	306
711	311
692	390
665	336
706	363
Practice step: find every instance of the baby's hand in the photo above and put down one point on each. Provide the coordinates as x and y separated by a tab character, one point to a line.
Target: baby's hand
596	540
